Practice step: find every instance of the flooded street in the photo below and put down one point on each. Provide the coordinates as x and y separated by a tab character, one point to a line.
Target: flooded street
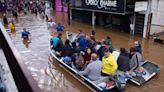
55	79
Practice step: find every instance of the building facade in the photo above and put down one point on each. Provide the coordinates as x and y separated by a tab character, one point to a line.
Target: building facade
157	10
145	15
108	13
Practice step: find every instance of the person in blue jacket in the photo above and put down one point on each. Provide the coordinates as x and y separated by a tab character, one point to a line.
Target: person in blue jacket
82	43
59	28
25	34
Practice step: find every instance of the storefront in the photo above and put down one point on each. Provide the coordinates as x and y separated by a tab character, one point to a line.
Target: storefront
116	14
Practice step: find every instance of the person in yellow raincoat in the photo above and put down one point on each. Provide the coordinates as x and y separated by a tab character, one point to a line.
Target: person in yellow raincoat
12	27
109	66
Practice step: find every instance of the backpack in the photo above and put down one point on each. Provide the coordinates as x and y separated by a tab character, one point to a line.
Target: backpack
79	62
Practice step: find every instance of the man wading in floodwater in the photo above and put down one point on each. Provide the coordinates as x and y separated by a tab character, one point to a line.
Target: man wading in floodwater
25	34
26	37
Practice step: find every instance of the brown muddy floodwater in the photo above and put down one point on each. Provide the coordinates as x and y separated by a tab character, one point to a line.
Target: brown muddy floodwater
36	54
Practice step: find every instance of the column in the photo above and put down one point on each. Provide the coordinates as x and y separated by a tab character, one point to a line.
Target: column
93	20
145	32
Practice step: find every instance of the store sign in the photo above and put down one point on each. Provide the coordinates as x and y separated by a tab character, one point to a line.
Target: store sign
117	6
141	6
102	3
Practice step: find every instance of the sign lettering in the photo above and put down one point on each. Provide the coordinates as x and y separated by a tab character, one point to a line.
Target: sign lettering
102	3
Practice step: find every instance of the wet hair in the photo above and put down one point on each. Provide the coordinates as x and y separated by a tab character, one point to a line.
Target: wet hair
103	43
99	43
74	44
67	42
108	37
106	50
24	29
80	30
59	35
87	49
93	32
122	50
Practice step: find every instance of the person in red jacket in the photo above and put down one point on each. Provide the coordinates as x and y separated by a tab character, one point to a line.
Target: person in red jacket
87	55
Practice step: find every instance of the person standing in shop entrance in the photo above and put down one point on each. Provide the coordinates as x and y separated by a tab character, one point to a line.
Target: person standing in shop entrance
131	29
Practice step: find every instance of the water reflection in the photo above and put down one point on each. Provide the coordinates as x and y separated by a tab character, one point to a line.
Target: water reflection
26	42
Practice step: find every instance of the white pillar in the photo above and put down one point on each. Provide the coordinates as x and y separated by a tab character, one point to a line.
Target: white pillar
146	18
93	20
70	15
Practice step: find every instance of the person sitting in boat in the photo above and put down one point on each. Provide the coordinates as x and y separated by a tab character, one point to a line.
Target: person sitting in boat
109	64
138	47
136	59
123	60
87	55
79	61
76	49
93	69
80	35
108	42
95	47
25	34
92	36
59	27
82	44
67	49
89	42
101	50
57	43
